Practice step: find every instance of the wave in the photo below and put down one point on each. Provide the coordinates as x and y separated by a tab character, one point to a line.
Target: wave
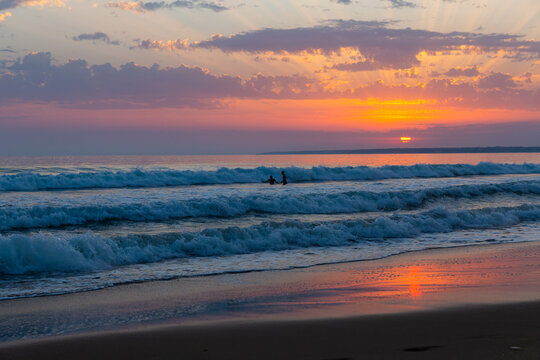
45	253
31	181
42	216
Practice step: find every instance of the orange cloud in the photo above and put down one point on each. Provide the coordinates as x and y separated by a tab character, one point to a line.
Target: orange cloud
42	3
126	5
29	3
4	16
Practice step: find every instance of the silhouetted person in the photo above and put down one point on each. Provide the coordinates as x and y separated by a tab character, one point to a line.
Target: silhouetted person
284	181
271	180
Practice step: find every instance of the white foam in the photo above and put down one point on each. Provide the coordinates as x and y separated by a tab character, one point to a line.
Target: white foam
46	253
143	209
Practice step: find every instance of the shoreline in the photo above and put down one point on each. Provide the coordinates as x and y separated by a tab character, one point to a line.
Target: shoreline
292	268
432	284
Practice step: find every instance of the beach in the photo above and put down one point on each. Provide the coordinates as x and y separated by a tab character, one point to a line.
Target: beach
215	179
455	303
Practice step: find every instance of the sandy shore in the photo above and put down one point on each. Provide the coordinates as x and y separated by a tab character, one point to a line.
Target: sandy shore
489	332
460	303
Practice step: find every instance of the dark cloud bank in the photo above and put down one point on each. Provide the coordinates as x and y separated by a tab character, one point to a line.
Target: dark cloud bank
76	84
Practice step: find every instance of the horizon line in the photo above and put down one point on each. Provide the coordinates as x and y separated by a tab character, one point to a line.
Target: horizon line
423	150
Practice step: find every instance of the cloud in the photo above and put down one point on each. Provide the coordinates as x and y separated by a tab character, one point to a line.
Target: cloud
468	71
380	46
3	16
407	4
401	4
383	59
11	4
494	91
167	45
497	81
407	73
126	5
7	50
344	2
97	36
35	78
141	6
527	77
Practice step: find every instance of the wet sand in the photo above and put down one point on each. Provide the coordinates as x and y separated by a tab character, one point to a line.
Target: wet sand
489	332
459	303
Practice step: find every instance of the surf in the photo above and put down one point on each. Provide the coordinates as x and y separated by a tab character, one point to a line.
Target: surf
35	181
44	252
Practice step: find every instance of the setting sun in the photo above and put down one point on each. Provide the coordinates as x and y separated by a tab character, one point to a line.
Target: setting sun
405	139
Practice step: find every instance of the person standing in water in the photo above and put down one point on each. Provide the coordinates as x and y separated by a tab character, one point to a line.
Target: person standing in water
271	180
284	180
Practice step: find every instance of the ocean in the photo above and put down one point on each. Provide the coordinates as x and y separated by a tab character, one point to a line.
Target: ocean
74	224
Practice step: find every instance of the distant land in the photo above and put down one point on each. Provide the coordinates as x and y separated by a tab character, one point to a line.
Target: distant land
441	150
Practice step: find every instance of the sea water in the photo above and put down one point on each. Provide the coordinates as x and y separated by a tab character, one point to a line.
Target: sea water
72	224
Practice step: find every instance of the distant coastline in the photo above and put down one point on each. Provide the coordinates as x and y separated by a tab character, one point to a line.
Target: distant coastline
441	150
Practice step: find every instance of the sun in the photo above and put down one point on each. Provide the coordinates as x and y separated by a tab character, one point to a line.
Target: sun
405	139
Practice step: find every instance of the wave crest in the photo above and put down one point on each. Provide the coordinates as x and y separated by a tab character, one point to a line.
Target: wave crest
43	216
45	253
31	181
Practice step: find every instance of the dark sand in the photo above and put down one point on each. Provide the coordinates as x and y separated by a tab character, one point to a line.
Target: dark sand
463	303
493	332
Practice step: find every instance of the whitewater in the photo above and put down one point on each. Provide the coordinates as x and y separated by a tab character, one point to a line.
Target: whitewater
79	226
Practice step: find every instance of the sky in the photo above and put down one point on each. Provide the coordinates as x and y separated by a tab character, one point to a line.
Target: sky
233	76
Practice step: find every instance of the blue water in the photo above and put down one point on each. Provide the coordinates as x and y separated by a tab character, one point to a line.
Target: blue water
81	223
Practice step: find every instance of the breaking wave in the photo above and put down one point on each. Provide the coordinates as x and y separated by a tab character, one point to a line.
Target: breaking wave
46	253
43	216
31	181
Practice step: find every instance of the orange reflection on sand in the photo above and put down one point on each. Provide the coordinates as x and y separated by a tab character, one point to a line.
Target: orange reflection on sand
434	275
414	281
421	278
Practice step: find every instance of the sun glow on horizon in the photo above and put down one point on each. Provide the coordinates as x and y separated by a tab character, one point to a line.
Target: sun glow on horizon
405	139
